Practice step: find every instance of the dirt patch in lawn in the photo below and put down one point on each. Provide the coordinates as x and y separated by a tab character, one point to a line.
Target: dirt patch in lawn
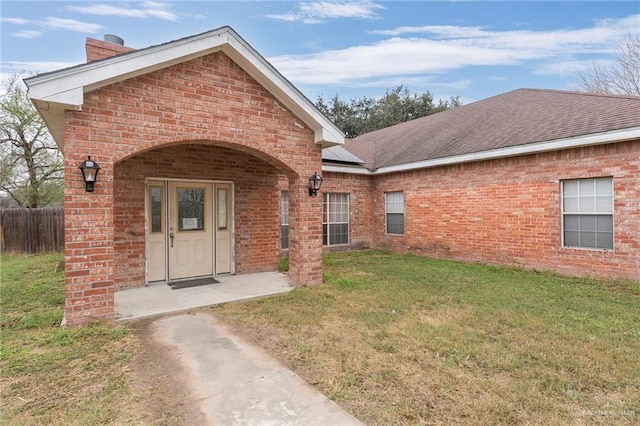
161	383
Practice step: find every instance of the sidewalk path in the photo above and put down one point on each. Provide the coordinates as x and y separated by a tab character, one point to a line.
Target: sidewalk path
239	384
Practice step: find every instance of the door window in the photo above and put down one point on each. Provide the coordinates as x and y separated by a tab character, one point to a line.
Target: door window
190	209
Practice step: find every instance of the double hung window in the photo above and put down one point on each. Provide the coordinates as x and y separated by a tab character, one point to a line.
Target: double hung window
394	209
587	213
335	219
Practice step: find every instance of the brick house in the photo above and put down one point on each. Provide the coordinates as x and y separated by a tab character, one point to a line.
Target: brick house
206	150
539	179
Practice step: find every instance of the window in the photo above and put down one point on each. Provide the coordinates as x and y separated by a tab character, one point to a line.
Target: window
156	195
335	219
587	213
284	227
394	206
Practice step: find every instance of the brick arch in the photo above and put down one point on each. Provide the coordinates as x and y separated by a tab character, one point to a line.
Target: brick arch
290	170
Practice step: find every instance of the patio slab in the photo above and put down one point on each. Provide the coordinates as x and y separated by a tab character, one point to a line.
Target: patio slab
160	299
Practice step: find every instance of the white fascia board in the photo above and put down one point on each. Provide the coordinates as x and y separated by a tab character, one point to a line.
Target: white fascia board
346	169
554	145
326	133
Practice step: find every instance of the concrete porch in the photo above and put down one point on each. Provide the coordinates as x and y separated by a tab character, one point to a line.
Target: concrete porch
160	299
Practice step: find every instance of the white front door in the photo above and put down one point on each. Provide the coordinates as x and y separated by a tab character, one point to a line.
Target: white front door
189	229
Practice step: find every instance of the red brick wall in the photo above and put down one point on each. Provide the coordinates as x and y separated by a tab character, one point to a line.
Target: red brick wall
206	99
359	188
507	211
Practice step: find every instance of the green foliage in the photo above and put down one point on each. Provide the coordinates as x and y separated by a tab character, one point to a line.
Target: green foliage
367	114
30	163
283	264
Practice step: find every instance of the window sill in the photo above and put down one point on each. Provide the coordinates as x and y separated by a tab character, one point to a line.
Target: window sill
603	250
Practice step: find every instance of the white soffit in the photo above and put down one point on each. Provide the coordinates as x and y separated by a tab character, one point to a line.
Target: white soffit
54	92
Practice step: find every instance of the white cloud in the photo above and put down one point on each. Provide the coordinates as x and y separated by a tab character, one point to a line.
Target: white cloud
53	23
16	21
149	9
432	50
317	12
26	34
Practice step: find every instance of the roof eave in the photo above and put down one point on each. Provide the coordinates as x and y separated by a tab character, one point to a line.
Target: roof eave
67	87
614	136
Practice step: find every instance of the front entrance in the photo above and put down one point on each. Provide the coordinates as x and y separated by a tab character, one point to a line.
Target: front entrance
189	229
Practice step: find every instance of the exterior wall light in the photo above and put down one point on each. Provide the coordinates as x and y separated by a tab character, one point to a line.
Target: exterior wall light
315	182
89	169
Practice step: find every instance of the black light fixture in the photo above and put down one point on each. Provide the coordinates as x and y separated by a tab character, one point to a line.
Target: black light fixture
89	169
315	182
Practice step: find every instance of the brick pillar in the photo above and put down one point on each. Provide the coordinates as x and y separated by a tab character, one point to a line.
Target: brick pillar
89	237
305	234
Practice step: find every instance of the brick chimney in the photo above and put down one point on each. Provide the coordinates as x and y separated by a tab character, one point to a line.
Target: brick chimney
100	49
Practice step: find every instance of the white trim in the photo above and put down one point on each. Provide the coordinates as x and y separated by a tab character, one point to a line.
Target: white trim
386	213
346	169
65	89
553	145
595	213
165	182
327	204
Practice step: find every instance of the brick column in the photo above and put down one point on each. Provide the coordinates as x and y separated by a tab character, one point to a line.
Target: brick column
305	234
89	240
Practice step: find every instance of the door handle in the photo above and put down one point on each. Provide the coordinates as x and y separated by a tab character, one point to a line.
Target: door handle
171	236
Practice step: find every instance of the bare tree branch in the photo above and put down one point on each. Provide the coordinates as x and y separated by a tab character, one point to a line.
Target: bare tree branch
621	78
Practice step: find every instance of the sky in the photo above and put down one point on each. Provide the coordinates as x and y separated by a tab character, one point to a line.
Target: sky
470	49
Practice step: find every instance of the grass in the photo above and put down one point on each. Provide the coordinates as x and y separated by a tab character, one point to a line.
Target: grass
49	374
401	339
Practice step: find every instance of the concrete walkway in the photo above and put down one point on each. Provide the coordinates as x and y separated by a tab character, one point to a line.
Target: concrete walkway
160	299
238	383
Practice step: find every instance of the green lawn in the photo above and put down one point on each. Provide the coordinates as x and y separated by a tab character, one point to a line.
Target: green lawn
51	375
395	339
401	339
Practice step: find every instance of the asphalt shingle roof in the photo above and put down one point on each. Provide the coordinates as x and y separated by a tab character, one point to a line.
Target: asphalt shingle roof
520	117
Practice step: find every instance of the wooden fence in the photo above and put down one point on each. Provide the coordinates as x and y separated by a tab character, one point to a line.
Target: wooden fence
31	230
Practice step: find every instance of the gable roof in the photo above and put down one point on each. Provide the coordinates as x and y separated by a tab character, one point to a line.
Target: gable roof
514	123
53	93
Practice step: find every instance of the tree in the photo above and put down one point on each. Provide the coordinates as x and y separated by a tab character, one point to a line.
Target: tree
620	78
30	162
366	114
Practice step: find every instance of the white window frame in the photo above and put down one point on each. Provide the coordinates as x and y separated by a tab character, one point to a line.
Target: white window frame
588	198
331	217
395	207
284	219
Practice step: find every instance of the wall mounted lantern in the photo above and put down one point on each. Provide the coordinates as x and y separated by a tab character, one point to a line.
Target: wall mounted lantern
315	182
89	169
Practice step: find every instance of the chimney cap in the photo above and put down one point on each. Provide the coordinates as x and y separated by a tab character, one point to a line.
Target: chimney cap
114	39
